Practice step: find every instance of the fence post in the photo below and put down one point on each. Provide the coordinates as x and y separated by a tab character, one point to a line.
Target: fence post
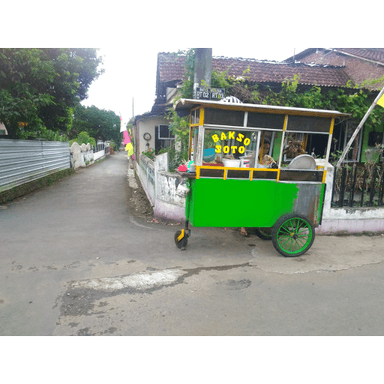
353	185
381	187
334	183
363	188
373	182
342	187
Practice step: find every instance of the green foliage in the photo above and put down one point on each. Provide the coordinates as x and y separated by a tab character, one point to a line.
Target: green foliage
39	86
24	88
114	146
150	153
44	134
83	138
186	90
179	126
372	158
99	123
175	158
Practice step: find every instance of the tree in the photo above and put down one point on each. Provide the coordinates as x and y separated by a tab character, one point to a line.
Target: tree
99	123
38	87
24	88
76	69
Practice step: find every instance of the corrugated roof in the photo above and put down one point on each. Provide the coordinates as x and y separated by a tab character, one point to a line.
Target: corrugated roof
171	68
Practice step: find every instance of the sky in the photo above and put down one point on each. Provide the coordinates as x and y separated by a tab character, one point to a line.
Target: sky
131	34
128	85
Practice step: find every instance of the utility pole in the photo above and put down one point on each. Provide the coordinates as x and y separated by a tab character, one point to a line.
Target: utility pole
203	68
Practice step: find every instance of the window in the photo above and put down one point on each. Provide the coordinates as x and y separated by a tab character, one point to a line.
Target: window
163	137
165	133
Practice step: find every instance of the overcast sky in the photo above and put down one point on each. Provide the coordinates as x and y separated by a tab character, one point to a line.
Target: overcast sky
127	79
131	34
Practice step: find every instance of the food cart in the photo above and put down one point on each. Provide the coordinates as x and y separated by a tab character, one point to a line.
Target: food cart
248	169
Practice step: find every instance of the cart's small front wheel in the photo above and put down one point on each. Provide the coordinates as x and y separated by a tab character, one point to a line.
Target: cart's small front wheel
263	233
181	239
293	235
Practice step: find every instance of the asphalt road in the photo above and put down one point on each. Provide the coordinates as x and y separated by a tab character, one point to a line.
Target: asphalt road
76	260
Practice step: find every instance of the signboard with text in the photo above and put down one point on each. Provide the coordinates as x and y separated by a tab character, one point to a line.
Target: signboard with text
210	93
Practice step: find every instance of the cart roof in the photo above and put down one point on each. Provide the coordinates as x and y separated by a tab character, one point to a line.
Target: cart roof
188	104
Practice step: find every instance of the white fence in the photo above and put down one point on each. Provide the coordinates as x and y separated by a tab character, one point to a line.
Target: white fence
146	172
166	191
22	161
84	155
348	220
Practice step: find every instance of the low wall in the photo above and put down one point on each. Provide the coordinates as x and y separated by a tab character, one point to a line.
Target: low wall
170	200
166	191
146	172
98	155
81	155
348	220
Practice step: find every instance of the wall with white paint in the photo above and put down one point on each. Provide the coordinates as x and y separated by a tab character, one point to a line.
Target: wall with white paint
166	191
81	155
145	169
351	220
148	125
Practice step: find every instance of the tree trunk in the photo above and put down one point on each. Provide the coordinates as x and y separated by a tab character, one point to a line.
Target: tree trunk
12	130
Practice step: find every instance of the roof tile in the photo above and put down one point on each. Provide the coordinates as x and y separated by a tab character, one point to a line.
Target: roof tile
171	67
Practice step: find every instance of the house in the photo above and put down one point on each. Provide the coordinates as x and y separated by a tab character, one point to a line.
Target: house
151	128
362	66
325	68
164	189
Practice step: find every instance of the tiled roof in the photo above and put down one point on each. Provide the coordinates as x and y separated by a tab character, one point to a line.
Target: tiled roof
375	54
361	64
277	72
171	67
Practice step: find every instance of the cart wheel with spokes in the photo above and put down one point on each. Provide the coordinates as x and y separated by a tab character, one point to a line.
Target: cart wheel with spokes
293	235
263	233
182	243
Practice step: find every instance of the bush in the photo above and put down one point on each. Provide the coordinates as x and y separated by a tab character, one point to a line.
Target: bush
150	153
83	138
114	146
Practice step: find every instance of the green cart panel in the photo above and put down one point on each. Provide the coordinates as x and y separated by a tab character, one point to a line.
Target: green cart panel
245	203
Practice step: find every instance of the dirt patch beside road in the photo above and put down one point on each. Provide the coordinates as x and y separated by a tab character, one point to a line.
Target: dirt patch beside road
138	204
